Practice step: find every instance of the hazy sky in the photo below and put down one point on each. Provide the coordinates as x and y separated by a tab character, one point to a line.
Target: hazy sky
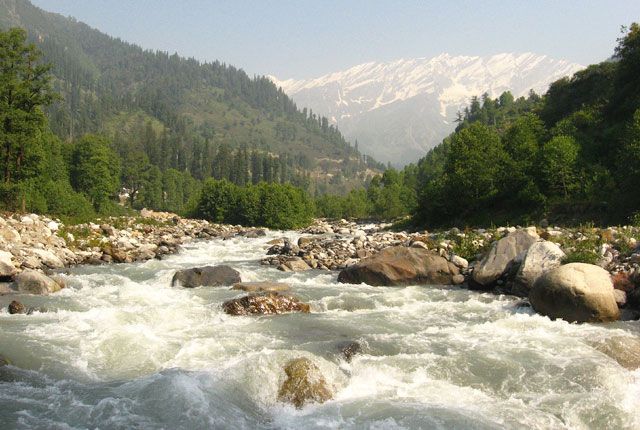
304	39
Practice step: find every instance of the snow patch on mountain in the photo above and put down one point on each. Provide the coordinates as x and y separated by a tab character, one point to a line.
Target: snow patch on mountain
435	88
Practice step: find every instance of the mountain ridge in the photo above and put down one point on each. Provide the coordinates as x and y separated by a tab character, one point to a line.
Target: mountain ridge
445	83
197	111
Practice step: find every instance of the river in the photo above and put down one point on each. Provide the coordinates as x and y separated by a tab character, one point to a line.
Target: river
120	349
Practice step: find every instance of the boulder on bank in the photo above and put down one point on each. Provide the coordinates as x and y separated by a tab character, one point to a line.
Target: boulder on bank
33	282
304	384
208	276
255	287
7	269
400	265
47	258
502	255
575	292
539	259
267	303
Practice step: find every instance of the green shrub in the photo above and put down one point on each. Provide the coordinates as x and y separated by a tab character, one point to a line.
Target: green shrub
279	206
469	245
581	256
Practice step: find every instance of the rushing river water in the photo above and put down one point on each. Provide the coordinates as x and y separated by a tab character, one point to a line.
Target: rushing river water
120	349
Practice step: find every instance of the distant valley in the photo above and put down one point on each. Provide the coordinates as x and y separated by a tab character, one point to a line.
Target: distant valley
399	110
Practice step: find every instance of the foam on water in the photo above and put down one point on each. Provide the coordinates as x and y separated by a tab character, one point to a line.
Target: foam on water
120	348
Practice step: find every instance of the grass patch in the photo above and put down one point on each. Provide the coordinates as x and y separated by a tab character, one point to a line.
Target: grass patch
583	256
469	244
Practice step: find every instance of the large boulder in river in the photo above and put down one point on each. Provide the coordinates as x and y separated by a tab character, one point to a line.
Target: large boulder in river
575	292
304	384
502	254
400	265
208	276
34	282
267	303
539	259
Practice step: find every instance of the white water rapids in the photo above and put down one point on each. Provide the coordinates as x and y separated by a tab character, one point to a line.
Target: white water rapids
120	349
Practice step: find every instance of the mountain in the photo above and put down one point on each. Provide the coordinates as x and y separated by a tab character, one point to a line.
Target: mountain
184	114
399	110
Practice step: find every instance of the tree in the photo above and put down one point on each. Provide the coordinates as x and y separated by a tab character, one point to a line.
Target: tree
95	170
172	190
629	160
218	200
473	167
626	95
522	142
558	164
24	90
135	173
151	192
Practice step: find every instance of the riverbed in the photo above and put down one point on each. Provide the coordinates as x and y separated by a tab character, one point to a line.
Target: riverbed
119	348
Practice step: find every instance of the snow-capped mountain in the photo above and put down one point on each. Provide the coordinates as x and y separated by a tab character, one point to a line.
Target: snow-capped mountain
398	110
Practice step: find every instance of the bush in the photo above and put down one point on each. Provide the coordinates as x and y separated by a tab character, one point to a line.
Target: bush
61	200
268	205
581	256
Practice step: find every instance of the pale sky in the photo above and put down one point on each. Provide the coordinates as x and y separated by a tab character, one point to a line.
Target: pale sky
302	39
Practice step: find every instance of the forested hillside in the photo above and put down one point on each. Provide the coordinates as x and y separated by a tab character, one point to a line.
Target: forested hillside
164	113
572	155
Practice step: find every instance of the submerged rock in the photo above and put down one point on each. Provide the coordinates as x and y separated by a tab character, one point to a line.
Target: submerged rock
33	282
267	303
253	287
400	265
502	254
349	349
255	233
304	384
208	276
575	292
15	307
625	350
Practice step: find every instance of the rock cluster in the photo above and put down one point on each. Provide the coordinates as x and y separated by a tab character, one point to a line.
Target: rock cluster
506	260
339	245
36	242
